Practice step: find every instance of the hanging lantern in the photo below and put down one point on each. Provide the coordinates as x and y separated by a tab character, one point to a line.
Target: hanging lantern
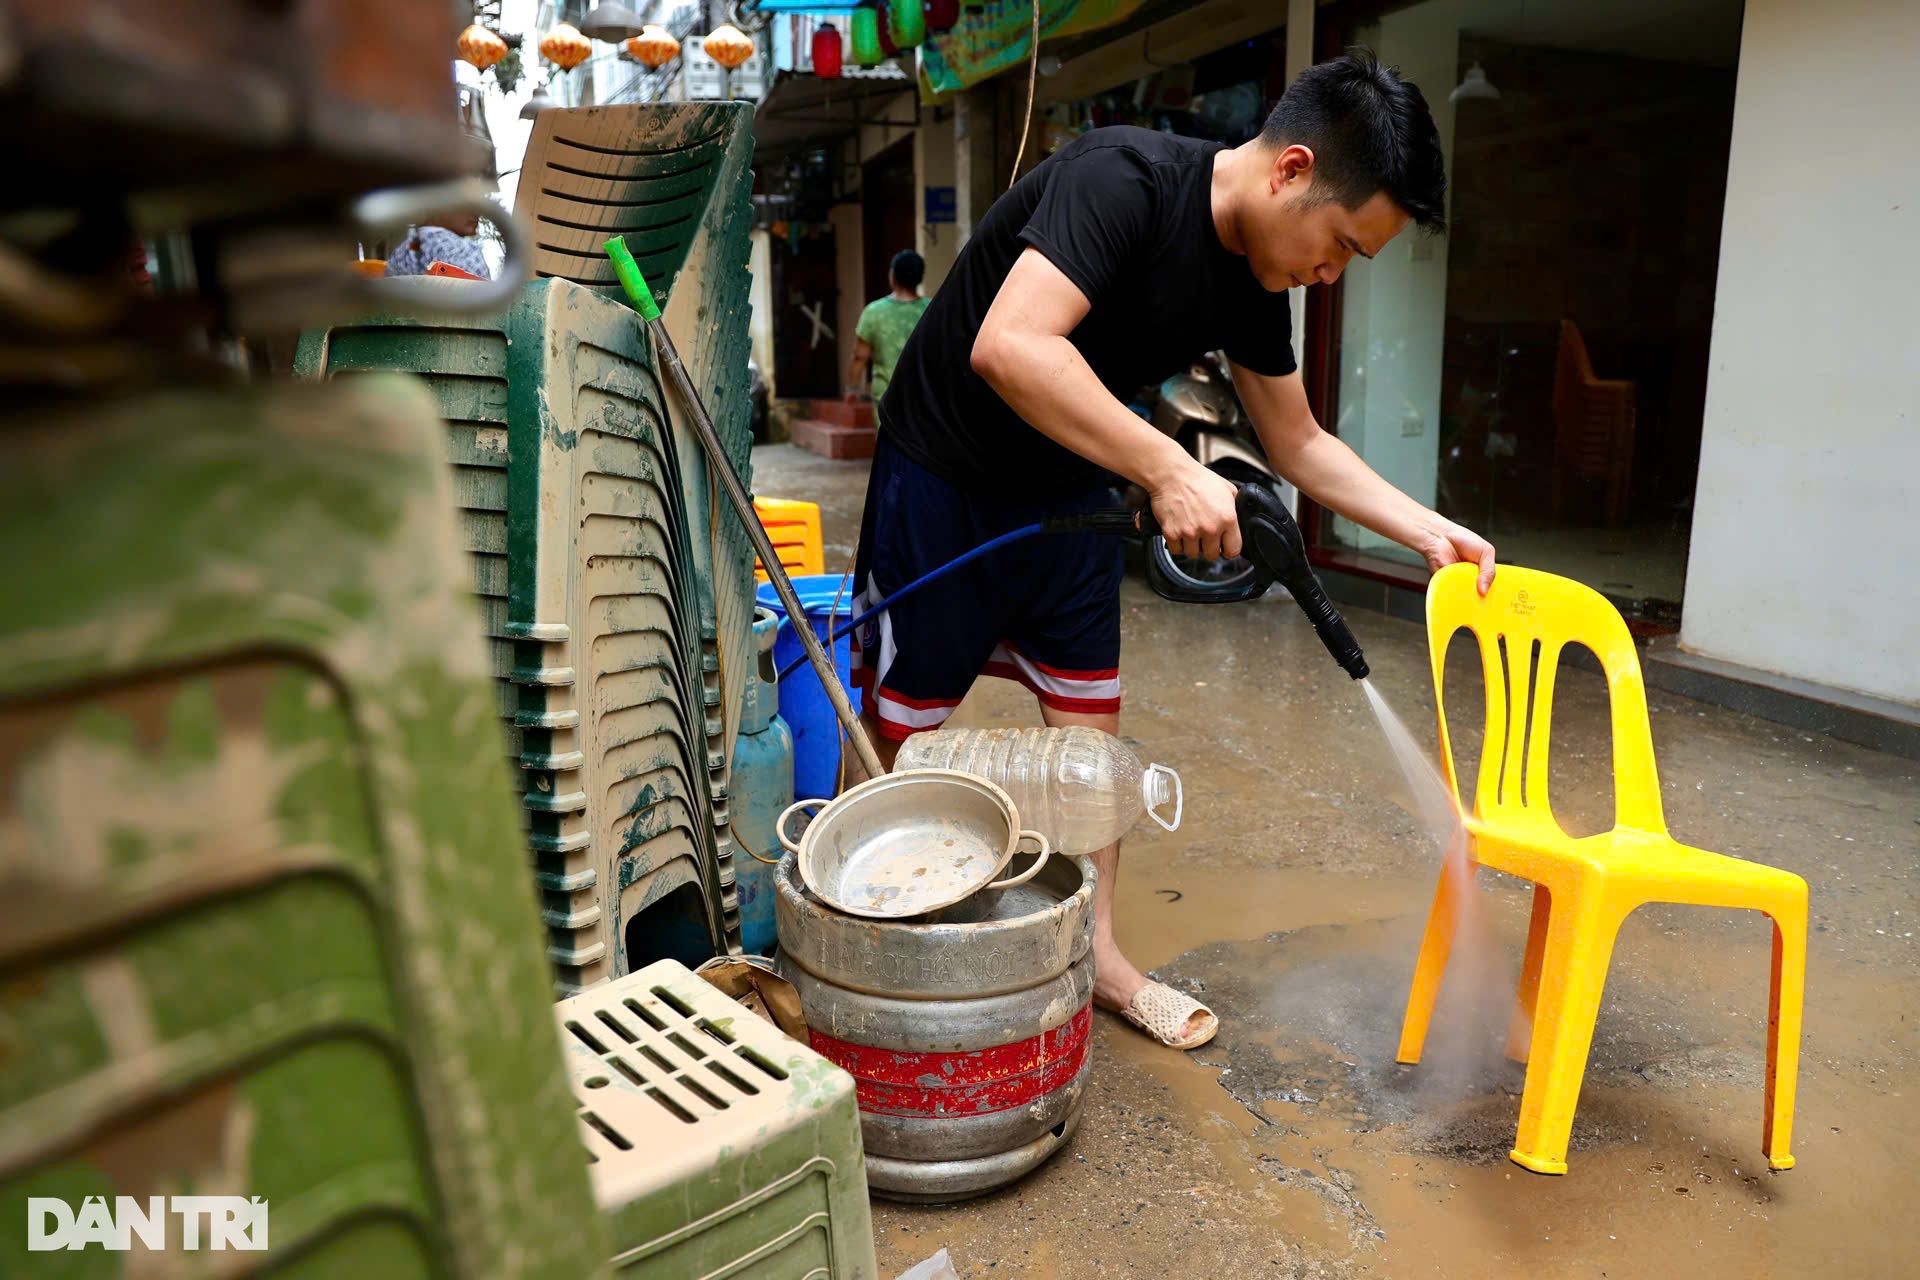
826	52
940	15
728	45
481	47
611	22
654	46
883	29
866	38
905	23
540	101
565	47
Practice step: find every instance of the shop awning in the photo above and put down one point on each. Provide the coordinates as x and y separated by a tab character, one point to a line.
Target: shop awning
804	110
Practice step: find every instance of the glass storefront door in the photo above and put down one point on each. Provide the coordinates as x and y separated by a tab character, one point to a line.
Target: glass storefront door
1539	372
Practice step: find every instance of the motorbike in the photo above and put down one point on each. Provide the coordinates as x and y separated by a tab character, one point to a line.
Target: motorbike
1199	409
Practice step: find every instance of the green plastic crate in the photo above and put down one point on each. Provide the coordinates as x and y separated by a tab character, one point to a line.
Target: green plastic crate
266	929
576	496
720	1147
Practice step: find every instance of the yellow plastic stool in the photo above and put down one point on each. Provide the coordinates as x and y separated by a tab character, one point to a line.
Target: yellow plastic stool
1583	888
794	529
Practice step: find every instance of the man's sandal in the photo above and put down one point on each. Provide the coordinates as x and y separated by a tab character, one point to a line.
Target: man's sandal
1165	1014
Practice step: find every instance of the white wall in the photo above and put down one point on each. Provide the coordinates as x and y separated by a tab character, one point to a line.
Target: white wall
933	161
849	266
1806	554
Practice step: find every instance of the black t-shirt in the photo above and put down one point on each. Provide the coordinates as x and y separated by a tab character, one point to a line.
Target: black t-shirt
1127	215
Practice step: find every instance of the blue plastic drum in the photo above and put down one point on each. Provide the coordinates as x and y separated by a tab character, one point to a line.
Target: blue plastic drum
803	703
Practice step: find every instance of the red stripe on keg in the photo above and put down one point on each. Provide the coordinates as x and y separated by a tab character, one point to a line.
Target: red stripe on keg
973	1082
969	1100
947	1070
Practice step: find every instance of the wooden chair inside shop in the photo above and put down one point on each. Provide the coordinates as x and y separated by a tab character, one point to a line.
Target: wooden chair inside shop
1593	422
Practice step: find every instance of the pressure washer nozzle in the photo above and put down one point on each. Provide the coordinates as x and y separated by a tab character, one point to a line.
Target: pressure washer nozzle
1271	539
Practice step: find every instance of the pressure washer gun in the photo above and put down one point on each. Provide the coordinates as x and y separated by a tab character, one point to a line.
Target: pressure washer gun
1269	539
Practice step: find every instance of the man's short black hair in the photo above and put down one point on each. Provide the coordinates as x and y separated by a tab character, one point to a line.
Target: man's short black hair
908	268
1369	131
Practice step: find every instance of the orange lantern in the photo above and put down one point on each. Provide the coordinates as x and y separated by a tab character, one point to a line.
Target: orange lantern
481	47
565	47
728	46
654	46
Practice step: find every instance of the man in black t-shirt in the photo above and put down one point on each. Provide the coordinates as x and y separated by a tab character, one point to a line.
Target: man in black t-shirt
1111	265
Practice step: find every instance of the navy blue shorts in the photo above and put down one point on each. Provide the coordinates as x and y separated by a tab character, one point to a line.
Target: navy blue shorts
1044	611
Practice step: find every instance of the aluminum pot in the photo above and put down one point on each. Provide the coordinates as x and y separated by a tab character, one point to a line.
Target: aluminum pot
906	844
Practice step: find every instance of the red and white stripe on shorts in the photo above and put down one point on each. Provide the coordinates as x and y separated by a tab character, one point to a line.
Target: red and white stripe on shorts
1086	692
901	716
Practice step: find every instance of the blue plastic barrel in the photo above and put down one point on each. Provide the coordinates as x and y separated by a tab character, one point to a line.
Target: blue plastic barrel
803	703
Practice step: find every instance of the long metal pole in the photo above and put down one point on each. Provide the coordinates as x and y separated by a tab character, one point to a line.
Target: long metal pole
636	287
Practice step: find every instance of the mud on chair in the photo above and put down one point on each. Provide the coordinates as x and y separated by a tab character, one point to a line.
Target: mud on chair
718	1146
618	598
265	928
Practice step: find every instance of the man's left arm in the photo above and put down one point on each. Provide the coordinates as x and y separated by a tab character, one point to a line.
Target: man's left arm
859	369
1324	468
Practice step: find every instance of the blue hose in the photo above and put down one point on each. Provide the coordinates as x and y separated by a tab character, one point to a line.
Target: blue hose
992	544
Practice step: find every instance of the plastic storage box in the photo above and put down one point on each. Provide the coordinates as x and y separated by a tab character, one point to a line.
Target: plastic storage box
719	1146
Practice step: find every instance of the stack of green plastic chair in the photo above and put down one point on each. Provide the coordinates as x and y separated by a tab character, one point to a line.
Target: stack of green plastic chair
675	180
574	508
618	591
265	928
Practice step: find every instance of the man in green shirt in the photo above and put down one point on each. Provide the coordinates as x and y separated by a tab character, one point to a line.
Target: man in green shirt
885	324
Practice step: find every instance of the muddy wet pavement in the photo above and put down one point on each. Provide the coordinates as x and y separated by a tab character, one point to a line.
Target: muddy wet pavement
1291	901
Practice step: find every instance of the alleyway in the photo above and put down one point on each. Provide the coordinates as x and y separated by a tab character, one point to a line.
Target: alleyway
1291	900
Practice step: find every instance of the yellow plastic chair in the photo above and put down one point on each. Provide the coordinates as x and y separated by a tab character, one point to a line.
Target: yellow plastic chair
794	529
1583	888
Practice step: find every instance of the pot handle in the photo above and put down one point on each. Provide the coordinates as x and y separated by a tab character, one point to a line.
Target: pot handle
1179	797
780	826
1031	871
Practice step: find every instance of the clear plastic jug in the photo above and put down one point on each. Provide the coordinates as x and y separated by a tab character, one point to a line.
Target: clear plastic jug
1079	787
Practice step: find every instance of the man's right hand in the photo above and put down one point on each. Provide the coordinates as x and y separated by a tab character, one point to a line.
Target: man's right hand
1194	508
